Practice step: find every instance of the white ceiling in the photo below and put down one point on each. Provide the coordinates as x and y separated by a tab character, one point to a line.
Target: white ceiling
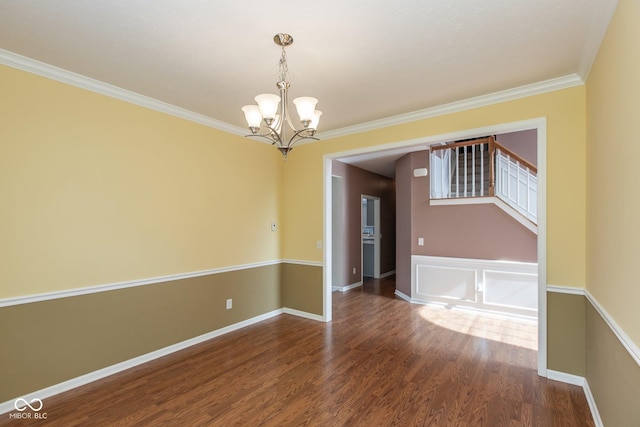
364	60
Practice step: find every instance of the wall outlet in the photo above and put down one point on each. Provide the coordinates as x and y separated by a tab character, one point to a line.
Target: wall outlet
420	241
319	244
273	226
229	303
354	270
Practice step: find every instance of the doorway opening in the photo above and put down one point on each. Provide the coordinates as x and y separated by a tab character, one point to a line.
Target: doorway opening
370	220
404	147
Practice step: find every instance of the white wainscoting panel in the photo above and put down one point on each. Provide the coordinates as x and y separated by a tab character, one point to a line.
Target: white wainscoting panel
505	287
510	289
454	283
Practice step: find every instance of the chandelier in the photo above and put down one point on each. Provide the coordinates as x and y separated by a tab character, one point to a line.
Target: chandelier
276	121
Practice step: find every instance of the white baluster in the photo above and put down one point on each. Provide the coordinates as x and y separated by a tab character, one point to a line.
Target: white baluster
442	175
481	169
457	172
473	171
466	173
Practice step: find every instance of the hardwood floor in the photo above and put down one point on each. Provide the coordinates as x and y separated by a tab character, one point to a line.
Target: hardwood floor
381	362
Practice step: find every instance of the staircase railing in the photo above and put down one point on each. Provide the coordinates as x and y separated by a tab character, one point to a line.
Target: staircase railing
517	182
484	168
463	169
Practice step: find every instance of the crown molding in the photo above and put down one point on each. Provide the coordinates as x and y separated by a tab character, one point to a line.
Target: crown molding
457	106
59	74
49	71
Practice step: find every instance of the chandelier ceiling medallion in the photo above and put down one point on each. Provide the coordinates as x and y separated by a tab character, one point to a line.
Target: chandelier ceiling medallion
276	121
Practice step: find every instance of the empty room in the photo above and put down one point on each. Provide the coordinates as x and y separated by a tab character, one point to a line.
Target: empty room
331	213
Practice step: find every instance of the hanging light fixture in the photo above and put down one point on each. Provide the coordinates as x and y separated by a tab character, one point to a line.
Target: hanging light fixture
276	120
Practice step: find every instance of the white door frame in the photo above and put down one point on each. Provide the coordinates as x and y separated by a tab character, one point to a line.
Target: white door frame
539	124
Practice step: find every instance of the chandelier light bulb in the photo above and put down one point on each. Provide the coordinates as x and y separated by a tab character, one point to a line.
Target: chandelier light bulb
305	106
268	104
315	119
253	116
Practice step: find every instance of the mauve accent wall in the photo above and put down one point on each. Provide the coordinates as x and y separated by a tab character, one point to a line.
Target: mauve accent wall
457	231
524	143
357	182
466	231
404	231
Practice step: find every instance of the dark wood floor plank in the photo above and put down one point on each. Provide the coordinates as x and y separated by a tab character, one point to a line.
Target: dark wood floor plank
381	362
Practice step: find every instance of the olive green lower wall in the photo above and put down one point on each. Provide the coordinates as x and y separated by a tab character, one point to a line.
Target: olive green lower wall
566	333
49	342
581	343
301	288
612	374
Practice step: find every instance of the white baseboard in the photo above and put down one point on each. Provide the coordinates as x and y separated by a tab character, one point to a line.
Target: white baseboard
403	296
592	405
304	314
347	287
387	274
128	364
582	382
565	378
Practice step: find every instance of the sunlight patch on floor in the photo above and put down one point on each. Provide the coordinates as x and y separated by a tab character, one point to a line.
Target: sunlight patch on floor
521	333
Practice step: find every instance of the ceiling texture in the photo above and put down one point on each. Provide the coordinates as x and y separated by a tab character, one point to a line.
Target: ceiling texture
365	60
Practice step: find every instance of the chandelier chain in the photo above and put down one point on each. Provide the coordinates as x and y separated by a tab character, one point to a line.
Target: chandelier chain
283	68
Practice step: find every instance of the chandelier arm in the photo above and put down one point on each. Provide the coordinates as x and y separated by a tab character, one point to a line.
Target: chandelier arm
300	137
272	136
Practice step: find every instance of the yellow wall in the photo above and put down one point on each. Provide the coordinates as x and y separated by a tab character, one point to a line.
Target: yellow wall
613	154
94	190
564	110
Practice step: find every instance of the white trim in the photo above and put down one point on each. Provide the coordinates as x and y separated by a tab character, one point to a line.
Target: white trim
565	378
128	364
565	290
515	214
488	263
301	262
540	125
327	231
582	382
626	341
347	287
59	74
387	274
49	71
457	106
541	128
592	404
27	299
304	314
403	295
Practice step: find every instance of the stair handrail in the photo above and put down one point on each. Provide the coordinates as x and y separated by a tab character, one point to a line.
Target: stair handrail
478	141
517	157
492	146
491	143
